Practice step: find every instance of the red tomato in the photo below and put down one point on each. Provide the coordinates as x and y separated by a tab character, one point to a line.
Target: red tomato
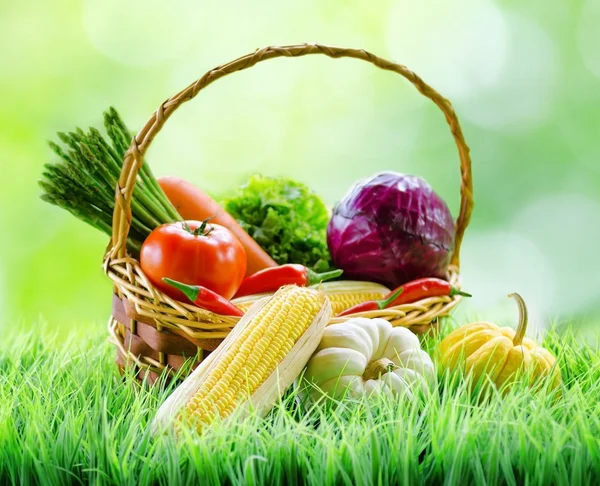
209	255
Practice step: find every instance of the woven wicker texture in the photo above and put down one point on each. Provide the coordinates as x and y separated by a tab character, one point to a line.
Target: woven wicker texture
198	325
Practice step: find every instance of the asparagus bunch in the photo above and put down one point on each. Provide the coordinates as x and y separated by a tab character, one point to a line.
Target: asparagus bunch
84	180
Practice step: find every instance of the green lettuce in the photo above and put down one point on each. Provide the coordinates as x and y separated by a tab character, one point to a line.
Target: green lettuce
286	219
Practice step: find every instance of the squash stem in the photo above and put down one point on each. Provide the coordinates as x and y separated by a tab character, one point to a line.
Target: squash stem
375	369
520	334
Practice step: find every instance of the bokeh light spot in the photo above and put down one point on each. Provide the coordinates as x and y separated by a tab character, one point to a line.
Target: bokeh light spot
143	32
458	53
498	262
589	36
566	228
522	95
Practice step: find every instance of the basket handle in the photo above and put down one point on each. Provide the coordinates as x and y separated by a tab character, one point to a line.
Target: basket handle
134	156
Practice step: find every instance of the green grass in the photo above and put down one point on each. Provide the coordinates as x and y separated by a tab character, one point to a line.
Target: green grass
67	417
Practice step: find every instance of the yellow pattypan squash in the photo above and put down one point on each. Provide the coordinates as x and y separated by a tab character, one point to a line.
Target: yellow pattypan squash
500	353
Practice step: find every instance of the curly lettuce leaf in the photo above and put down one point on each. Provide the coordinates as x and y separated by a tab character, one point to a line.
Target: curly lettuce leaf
286	219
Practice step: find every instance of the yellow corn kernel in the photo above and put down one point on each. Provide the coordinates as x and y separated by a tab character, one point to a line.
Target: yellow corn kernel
244	306
255	353
342	294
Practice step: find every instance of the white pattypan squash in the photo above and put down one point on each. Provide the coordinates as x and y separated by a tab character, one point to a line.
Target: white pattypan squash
368	356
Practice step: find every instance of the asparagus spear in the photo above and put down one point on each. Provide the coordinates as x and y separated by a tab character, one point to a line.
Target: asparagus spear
84	179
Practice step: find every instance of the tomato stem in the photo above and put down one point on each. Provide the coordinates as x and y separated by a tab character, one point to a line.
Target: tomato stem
520	334
201	230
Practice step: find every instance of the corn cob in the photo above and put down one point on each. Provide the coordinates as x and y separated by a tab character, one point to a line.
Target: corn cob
342	294
244	303
260	358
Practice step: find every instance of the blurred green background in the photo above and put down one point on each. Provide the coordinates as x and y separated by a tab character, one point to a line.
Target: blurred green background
524	78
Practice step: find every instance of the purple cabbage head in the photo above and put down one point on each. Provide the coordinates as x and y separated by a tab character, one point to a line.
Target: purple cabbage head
391	228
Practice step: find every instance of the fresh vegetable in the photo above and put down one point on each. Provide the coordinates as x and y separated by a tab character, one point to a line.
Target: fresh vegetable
194	253
270	279
342	294
205	298
285	218
372	305
194	204
368	356
84	180
498	354
391	228
259	359
423	288
408	293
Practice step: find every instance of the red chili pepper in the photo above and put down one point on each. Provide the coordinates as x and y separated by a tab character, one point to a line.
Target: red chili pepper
206	298
271	279
422	288
371	305
407	293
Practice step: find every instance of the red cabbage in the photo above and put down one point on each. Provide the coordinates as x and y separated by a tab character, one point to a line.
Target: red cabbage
391	228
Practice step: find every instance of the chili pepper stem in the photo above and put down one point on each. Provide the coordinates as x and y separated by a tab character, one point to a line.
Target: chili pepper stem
455	291
190	291
382	304
520	334
313	277
368	305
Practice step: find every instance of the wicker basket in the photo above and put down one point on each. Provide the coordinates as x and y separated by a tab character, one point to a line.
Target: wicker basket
156	332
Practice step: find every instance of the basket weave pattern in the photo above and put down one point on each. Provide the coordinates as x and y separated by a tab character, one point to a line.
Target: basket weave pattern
140	302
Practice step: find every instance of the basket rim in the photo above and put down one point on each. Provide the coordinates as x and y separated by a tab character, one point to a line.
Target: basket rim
196	323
